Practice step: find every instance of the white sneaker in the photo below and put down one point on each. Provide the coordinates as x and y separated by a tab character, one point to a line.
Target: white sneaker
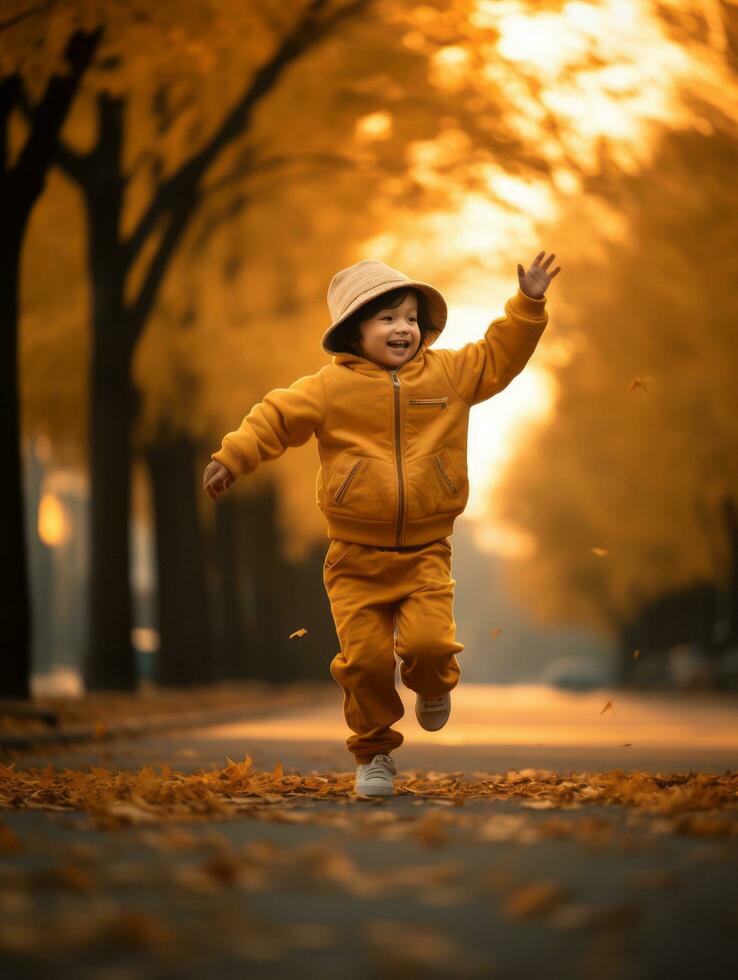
432	713
375	778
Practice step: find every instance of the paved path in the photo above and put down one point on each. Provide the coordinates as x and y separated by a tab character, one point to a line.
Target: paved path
406	887
492	728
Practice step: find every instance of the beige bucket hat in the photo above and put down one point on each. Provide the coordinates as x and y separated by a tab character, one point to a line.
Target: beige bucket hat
352	287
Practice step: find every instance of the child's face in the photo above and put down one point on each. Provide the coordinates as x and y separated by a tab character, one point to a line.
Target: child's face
398	323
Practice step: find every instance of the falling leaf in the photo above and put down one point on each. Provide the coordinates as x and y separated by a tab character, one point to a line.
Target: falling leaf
598	551
494	633
301	632
636	654
639	383
100	729
608	705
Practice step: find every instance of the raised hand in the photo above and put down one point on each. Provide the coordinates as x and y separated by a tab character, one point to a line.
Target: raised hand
534	282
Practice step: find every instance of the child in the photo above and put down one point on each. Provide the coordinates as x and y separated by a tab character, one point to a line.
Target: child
390	416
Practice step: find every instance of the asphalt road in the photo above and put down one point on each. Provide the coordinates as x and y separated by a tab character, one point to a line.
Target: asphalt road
402	888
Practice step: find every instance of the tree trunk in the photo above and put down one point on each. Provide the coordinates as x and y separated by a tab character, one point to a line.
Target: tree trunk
20	187
261	599
15	612
185	651
110	662
234	600
261	563
730	515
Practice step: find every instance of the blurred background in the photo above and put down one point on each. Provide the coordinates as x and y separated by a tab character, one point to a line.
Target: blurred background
180	183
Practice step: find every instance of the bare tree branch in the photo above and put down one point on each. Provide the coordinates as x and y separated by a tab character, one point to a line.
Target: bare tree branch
308	31
46	117
39	9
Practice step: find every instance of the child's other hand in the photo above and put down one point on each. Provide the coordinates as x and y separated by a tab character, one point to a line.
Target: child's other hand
217	478
534	282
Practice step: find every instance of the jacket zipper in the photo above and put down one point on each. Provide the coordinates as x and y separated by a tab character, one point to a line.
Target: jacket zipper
398	444
344	486
442	401
445	475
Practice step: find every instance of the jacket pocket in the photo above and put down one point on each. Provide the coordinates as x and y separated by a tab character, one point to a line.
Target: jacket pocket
441	401
361	486
449	482
343	487
434	486
319	488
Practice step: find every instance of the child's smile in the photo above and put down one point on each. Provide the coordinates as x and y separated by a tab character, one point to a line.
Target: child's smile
392	336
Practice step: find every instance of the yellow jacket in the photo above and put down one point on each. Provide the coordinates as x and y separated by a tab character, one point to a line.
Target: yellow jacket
392	441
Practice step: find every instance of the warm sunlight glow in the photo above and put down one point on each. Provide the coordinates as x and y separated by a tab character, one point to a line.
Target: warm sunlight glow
53	524
608	73
495	429
605	70
521	715
532	196
145	639
449	67
376	126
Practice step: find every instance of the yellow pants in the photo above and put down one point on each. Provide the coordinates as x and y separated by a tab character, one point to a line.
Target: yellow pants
379	596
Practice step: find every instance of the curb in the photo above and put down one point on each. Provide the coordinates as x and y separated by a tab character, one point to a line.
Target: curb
153	723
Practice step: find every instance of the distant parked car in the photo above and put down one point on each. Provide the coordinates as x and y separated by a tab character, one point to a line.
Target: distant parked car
689	668
574	673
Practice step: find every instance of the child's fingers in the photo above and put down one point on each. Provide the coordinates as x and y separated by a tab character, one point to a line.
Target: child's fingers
212	489
218	482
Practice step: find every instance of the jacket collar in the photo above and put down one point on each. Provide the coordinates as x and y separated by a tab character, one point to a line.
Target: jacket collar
369	368
362	365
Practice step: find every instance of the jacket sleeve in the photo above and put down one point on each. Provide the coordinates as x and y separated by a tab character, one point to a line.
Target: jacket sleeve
285	417
480	369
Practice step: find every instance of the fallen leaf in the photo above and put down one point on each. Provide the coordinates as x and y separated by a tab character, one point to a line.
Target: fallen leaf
10	843
653	878
534	899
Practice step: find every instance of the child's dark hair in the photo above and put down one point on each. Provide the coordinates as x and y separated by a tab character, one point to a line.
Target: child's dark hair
345	337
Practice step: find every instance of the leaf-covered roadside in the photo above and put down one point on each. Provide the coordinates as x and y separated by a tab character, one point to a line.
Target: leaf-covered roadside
123	797
105	708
